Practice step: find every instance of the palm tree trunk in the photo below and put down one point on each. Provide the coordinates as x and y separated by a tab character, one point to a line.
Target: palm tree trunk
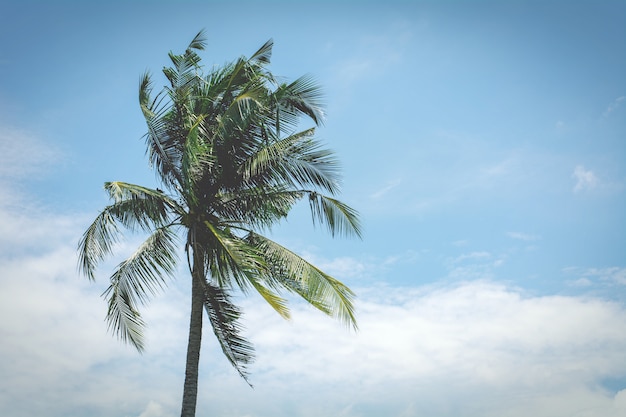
190	390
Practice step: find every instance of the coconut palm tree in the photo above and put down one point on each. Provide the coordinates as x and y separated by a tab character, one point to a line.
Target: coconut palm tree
232	162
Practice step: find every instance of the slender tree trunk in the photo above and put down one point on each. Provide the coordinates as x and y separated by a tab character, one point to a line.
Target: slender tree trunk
190	391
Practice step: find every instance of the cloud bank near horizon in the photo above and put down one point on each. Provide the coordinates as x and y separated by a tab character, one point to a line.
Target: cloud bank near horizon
473	346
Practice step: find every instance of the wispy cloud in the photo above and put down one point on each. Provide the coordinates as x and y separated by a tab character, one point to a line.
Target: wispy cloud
472	256
381	192
474	265
23	154
614	105
608	280
523	236
616	275
586	179
375	54
363	268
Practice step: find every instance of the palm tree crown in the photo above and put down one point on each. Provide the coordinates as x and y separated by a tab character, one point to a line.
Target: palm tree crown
228	152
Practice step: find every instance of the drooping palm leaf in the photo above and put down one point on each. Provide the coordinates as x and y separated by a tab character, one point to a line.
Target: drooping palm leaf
123	319
230	257
135	280
300	276
143	273
97	242
337	216
138	207
302	97
134	206
224	317
297	160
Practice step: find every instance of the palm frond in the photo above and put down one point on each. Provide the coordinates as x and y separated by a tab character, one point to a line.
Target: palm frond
123	319
199	41
337	216
97	242
308	164
183	73
301	97
229	257
264	54
162	149
239	116
143	273
298	160
269	155
278	303
298	275
198	158
137	206
134	207
224	318
135	280
260	207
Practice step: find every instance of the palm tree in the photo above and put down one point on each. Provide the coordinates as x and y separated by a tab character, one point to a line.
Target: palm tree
232	163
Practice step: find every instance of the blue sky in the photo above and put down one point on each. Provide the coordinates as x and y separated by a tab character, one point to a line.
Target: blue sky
482	142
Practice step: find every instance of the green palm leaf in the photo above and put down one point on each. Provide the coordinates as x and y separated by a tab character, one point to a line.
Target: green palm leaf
163	150
257	207
297	159
338	217
230	257
224	317
298	275
123	319
135	279
301	97
97	242
264	54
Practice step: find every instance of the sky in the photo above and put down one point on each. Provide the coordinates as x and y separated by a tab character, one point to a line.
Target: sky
483	143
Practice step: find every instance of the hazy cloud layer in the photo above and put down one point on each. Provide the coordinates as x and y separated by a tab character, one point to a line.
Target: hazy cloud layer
23	154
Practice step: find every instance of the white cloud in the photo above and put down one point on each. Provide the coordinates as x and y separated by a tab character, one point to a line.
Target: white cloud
474	265
385	189
472	256
475	348
372	56
153	409
613	106
23	154
585	179
343	267
612	275
523	236
581	282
